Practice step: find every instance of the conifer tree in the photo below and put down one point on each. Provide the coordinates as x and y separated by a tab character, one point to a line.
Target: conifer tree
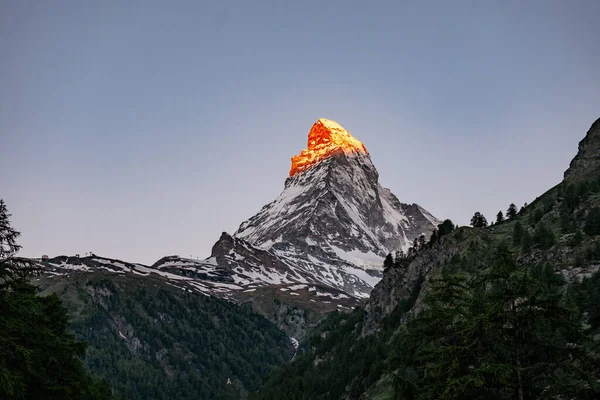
446	227
517	235
544	236
499	217
502	334
512	211
434	236
526	241
592	222
388	262
478	220
39	357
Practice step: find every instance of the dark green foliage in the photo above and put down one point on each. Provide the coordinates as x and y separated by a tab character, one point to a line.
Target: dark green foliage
348	363
577	238
574	196
592	252
511	212
434	236
499	217
517	235
460	233
39	357
388	262
445	228
503	334
177	345
566	226
523	209
587	297
526	241
570	198
8	236
478	220
545	275
592	222
543	237
342	356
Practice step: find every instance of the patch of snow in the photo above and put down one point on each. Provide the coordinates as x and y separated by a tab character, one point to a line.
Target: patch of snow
294	342
357	257
296	287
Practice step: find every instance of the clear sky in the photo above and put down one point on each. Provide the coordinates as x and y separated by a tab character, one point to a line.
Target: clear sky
138	129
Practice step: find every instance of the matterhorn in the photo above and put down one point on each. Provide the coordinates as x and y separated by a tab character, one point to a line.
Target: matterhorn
318	246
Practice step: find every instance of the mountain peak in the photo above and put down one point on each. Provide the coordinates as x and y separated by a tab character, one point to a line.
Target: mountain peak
326	138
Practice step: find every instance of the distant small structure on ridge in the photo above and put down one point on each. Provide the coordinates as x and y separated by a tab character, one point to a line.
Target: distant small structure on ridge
45	257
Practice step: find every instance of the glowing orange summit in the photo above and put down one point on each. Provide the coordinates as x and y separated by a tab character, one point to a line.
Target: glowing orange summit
325	139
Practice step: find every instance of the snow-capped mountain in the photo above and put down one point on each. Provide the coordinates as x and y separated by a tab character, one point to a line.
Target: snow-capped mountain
318	247
333	218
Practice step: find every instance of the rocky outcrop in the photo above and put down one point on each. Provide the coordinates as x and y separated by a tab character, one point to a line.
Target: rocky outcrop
399	281
588	154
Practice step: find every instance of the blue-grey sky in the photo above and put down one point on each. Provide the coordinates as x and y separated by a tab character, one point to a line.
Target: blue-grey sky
138	129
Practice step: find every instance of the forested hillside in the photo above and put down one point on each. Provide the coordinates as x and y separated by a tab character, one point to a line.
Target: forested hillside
39	355
509	310
150	340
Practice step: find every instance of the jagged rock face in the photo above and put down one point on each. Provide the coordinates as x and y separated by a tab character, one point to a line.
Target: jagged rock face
325	139
337	205
319	246
587	159
399	281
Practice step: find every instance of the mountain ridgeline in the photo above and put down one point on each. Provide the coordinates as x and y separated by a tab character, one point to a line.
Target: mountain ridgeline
507	311
318	247
337	290
215	328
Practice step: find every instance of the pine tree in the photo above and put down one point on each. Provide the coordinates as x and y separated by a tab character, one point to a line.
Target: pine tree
544	237
502	334
592	222
499	217
565	223
512	211
39	356
517	235
434	236
478	220
388	262
526	241
446	227
570	198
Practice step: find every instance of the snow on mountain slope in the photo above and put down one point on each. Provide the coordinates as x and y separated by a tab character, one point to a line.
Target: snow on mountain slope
320	244
333	218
